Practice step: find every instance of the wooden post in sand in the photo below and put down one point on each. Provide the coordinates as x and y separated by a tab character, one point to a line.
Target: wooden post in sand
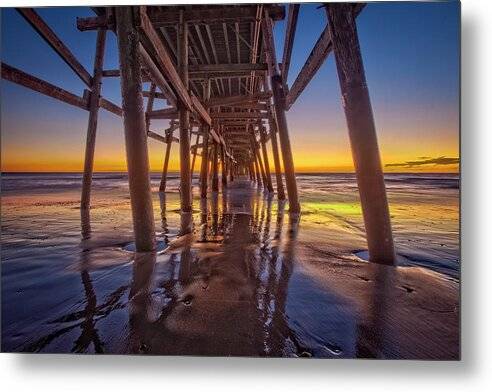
362	133
224	167
90	145
279	105
257	168
276	159
169	142
205	148
194	155
215	168
135	134
269	185
184	119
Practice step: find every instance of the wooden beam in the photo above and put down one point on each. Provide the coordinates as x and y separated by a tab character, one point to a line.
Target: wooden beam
170	16
218	14
110	107
56	43
290	34
163	114
111	73
234	100
164	139
239	115
22	78
315	60
227	68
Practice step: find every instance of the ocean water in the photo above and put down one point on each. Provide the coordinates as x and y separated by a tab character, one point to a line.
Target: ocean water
247	281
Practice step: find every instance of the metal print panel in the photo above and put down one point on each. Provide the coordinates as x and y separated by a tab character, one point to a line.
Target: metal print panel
260	180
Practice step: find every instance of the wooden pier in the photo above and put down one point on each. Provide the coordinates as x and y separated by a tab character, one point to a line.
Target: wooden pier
213	72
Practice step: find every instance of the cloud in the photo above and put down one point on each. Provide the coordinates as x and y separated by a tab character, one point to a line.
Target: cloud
426	161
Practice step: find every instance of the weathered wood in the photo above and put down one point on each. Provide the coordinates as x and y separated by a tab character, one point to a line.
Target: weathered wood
135	135
168	141
150	105
163	114
56	43
163	59
157	95
111	73
90	144
290	34
239	99
204	165
170	16
194	155
240	115
362	133
110	106
184	120
22	78
164	139
315	60
279	105
157	77
226	68
268	175
276	160
215	168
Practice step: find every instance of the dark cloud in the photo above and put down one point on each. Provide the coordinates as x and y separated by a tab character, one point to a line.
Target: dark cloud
426	161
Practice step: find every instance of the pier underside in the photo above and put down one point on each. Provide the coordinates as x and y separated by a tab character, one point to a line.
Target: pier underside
213	73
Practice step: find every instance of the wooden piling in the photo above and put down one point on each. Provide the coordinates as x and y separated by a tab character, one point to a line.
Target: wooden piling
204	165
184	120
215	169
362	133
90	145
194	156
268	175
135	134
169	142
283	133
224	167
276	160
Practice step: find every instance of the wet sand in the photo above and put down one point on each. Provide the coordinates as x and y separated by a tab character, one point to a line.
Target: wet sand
237	277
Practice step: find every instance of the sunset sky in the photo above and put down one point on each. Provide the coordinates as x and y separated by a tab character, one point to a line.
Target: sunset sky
411	58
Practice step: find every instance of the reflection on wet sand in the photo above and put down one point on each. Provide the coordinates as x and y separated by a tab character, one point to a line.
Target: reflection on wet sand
236	280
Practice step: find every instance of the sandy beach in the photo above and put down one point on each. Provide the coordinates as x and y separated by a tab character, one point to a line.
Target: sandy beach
248	280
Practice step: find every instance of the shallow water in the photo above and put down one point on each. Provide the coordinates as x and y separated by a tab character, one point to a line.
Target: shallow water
243	278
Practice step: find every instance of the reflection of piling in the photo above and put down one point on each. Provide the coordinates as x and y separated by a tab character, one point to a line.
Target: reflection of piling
362	132
135	133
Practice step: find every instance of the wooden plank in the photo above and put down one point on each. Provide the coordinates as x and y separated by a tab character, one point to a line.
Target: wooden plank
157	95
22	78
239	115
227	68
315	60
290	34
111	73
219	14
56	43
238	99
170	16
